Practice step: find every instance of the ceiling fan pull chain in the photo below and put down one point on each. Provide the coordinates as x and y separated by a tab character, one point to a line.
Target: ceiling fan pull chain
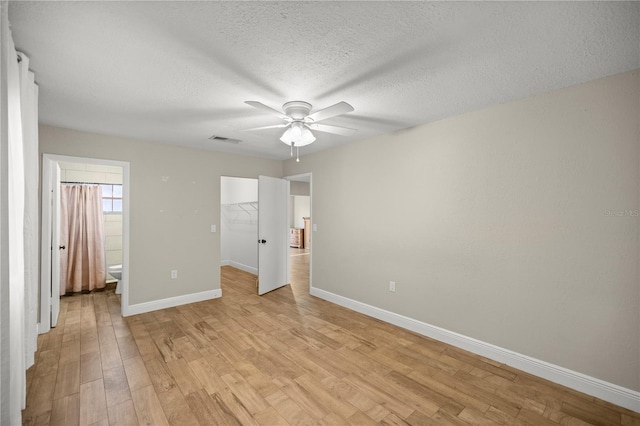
292	149
297	154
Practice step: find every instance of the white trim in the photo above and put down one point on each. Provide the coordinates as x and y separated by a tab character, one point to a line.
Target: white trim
610	392
45	249
171	302
238	265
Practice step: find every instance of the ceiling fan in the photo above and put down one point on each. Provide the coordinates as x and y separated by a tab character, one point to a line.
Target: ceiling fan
299	121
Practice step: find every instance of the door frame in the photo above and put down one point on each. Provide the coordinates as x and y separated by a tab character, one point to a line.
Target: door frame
222	229
52	236
302	177
48	162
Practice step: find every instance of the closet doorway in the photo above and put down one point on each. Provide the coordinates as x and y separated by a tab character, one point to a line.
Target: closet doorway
253	229
239	223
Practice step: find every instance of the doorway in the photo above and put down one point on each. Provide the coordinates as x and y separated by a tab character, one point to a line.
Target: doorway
301	232
55	170
253	228
239	223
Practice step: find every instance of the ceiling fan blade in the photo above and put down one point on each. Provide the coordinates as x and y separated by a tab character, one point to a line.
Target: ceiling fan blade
328	112
266	108
275	126
344	131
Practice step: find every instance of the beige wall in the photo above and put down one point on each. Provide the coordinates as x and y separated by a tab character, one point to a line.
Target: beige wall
516	225
299	188
94	173
175	198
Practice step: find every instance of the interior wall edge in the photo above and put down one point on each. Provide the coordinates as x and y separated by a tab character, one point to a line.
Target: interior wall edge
171	302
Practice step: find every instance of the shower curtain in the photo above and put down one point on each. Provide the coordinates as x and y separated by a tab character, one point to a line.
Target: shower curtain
83	268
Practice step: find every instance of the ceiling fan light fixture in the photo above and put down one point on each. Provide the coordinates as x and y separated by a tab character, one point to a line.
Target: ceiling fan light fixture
299	121
286	137
307	137
298	134
296	131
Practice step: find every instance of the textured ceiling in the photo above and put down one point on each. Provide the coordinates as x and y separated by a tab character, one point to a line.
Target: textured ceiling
179	72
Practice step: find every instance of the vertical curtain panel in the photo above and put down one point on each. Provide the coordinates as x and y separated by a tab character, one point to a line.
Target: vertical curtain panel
16	233
18	224
84	266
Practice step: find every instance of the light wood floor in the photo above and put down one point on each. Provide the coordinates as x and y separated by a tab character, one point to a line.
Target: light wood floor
283	358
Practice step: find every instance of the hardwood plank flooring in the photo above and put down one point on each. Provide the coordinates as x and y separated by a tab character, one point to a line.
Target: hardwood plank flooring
285	358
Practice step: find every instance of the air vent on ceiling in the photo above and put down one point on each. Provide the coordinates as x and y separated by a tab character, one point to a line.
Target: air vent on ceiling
226	140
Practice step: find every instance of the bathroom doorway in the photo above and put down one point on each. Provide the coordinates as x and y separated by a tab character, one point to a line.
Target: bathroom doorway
110	183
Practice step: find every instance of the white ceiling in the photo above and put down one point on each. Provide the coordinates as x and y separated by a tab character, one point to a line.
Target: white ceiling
179	72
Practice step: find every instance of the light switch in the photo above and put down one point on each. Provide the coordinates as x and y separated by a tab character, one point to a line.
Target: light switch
213	228
315	227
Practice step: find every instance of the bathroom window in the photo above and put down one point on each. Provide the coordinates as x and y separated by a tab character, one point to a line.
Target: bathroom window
111	198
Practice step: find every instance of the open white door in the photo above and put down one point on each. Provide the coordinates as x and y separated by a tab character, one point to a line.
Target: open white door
57	245
50	268
273	235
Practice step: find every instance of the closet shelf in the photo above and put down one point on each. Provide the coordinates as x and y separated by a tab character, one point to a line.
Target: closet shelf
249	207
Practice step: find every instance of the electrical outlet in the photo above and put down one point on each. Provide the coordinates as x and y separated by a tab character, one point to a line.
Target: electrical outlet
174	274
392	286
213	228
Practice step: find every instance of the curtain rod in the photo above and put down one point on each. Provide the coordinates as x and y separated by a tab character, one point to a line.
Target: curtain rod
65	182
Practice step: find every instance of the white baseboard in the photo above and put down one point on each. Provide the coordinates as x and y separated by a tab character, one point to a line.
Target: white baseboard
610	392
171	302
42	329
238	265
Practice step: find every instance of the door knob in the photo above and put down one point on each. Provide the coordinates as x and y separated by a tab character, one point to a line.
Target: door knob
262	241
62	247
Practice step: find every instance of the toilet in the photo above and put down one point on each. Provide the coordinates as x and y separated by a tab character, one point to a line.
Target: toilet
116	272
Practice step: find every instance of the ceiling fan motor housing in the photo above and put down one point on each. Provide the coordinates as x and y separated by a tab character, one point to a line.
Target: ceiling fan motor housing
297	110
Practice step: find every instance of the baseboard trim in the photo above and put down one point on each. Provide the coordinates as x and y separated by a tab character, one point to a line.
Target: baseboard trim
609	392
141	308
42	329
242	266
